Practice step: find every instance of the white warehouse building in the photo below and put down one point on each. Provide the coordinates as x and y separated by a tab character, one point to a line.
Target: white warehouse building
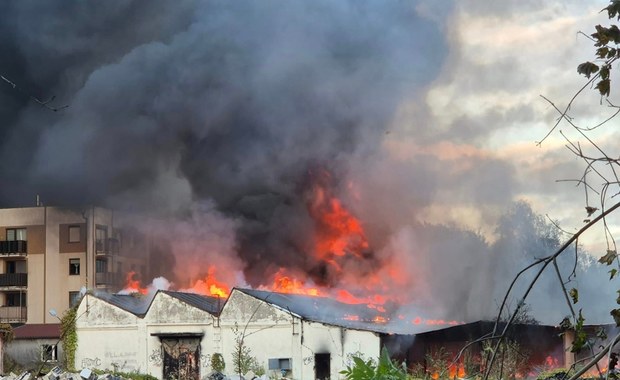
174	335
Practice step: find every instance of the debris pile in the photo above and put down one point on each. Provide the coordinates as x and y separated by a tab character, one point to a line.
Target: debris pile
58	373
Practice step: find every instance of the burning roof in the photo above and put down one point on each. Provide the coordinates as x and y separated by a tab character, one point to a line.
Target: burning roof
328	311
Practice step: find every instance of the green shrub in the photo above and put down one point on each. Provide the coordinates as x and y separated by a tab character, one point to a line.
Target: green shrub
127	375
217	363
385	368
553	374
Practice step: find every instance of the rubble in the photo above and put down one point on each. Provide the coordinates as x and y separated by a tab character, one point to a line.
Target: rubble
58	373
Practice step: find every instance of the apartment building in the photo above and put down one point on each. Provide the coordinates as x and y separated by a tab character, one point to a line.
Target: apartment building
49	255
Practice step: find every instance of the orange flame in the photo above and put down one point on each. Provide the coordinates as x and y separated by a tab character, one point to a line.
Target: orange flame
345	296
285	284
132	285
210	286
456	370
380	319
338	233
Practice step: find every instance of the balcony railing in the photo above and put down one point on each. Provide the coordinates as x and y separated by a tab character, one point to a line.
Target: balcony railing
13	314
108	278
13	280
13	247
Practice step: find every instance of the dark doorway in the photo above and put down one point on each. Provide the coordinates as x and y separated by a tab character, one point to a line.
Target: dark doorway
181	358
322	366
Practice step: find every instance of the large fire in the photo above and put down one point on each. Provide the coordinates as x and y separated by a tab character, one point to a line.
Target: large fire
338	232
340	243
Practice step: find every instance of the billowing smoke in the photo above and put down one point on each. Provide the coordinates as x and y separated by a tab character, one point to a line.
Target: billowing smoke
214	117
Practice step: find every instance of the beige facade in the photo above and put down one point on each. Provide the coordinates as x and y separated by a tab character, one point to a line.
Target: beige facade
49	254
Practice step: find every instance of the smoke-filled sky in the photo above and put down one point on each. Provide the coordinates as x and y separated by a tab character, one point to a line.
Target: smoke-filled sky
420	116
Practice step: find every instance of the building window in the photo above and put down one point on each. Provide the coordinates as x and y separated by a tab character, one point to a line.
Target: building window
101	266
16	299
48	353
74	267
101	237
13	234
280	363
74	234
74	298
15	267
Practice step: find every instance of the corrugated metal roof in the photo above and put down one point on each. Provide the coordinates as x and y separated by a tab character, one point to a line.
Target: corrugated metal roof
326	310
37	331
212	305
136	303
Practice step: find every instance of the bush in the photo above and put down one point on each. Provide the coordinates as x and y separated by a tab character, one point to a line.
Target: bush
368	370
128	375
217	363
553	374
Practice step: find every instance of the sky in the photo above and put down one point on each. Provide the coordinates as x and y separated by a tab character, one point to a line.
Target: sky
225	115
486	103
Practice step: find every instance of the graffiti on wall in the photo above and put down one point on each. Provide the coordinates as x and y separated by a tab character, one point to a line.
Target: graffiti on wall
349	359
91	362
157	357
123	360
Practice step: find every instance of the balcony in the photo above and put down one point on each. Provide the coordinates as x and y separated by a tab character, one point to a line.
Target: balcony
13	247
106	246
108	278
13	314
13	280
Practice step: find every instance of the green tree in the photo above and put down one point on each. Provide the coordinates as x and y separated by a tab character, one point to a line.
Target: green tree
243	361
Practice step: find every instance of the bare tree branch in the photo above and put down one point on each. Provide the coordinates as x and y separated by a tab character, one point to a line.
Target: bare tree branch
44	103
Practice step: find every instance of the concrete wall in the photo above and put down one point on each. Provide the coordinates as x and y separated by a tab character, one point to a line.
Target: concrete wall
17	217
27	352
272	333
57	283
168	315
108	337
33	219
